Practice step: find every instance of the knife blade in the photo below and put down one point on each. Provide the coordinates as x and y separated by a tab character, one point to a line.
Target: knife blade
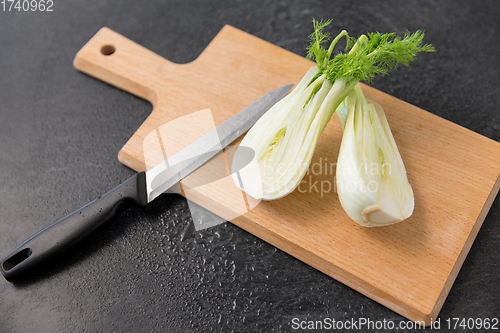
139	190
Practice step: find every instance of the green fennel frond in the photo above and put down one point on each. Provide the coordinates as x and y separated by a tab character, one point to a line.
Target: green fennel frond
365	57
316	51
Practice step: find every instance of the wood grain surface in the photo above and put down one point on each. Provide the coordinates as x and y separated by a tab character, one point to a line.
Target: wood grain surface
408	267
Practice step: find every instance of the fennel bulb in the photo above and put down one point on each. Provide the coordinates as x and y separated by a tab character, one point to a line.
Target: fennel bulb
372	184
284	139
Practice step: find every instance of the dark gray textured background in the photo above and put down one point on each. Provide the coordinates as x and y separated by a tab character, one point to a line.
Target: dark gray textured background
60	132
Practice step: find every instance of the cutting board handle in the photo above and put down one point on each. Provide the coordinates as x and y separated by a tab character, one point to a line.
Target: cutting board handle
121	62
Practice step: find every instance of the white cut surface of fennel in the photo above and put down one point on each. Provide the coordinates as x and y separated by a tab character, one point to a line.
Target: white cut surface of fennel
372	183
285	137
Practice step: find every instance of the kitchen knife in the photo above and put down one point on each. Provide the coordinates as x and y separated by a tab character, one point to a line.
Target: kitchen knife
139	190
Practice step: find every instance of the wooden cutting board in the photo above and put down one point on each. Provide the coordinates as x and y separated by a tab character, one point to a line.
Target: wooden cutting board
408	267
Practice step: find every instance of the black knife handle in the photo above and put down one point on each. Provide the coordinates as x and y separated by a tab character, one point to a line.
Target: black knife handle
62	234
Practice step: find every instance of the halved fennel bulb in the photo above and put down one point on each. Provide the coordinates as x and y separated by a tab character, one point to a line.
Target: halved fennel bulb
372	184
371	177
285	137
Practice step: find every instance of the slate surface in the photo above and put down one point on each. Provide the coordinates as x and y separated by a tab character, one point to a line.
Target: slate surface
60	132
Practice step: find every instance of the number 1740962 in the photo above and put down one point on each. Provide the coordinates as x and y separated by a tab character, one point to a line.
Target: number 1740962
27	5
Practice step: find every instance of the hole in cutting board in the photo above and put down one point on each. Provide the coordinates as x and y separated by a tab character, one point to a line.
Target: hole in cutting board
108	50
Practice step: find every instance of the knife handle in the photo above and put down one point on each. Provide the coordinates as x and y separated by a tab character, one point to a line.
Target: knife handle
66	232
